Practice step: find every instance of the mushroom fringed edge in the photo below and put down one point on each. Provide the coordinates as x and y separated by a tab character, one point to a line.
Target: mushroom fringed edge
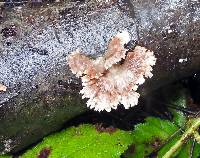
106	82
2	87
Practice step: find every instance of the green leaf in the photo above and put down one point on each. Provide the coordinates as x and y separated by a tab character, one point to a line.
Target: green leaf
149	136
5	156
167	146
180	101
196	151
83	142
155	137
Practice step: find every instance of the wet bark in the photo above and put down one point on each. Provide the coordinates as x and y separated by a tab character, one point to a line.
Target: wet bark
35	40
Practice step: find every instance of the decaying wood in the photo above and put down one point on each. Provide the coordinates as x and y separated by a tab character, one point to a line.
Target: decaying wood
35	41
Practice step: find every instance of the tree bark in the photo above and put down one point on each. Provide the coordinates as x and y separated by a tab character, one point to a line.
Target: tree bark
42	93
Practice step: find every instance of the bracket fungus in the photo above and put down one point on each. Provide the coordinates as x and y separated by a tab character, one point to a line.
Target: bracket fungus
106	81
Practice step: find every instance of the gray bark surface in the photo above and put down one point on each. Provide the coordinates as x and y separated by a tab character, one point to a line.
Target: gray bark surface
42	92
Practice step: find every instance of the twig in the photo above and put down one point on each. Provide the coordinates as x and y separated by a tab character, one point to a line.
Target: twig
167	141
197	136
174	106
184	138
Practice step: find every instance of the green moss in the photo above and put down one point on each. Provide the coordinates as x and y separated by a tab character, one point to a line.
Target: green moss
82	142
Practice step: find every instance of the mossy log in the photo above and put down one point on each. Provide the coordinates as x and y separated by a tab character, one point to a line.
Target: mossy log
35	40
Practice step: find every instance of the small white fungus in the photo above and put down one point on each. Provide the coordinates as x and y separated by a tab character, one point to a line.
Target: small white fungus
106	82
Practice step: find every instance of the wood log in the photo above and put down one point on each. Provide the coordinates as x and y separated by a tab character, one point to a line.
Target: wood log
35	40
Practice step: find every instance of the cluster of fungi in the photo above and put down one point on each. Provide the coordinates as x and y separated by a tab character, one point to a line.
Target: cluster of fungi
108	82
